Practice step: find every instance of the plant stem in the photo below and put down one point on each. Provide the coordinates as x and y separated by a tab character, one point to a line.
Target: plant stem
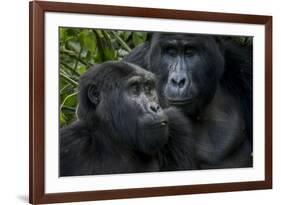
69	108
63	88
70	69
77	60
99	45
65	99
122	43
72	54
68	79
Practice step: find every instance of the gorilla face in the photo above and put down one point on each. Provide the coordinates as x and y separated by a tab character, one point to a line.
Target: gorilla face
140	101
128	105
193	67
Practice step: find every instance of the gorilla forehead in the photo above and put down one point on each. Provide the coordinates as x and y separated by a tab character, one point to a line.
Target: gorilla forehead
121	70
180	37
138	71
111	71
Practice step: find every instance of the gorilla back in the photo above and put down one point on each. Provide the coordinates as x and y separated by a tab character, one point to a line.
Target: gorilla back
121	127
210	80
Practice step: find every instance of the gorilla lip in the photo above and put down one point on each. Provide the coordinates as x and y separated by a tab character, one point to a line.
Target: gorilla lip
180	102
157	125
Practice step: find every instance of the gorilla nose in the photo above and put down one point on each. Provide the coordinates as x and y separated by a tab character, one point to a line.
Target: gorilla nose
178	81
154	108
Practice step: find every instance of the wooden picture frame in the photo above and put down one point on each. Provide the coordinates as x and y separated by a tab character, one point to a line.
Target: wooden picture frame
37	10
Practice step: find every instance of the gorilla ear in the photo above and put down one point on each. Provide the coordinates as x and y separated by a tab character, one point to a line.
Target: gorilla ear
93	94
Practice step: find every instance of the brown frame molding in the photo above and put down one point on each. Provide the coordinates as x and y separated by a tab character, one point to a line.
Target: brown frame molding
37	95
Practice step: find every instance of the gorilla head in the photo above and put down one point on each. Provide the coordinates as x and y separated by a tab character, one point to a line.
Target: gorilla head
118	96
189	67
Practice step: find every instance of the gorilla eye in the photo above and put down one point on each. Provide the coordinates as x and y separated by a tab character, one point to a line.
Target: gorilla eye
135	88
148	88
172	51
190	51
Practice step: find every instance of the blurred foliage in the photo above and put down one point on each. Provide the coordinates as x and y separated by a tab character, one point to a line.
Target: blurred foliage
243	41
81	48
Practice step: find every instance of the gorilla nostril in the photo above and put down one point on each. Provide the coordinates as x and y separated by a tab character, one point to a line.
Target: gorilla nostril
181	83
174	82
157	107
178	82
154	108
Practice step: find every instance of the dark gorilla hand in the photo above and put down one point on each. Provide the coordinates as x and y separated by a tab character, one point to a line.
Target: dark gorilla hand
121	127
210	80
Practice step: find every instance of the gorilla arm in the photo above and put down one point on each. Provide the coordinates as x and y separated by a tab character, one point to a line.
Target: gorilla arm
178	153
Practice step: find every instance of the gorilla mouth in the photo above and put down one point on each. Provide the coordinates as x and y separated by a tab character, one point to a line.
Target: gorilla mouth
158	124
180	102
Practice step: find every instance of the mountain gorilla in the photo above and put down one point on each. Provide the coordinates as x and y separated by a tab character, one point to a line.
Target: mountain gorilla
210	80
122	128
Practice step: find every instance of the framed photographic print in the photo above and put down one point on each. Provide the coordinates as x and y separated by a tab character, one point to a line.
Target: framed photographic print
139	102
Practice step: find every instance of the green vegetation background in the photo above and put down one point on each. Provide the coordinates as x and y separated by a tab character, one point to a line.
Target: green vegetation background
82	48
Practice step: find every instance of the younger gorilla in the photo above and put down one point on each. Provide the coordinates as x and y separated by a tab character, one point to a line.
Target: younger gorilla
122	128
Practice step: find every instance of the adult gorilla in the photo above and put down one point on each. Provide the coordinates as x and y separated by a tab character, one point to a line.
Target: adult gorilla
210	79
121	127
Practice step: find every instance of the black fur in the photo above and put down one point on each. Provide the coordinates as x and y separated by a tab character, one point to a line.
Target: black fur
209	78
112	134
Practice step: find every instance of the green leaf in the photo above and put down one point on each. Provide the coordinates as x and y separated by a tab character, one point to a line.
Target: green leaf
121	41
72	31
70	101
88	40
67	78
139	37
110	54
62	119
100	34
125	35
63	34
73	44
81	69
